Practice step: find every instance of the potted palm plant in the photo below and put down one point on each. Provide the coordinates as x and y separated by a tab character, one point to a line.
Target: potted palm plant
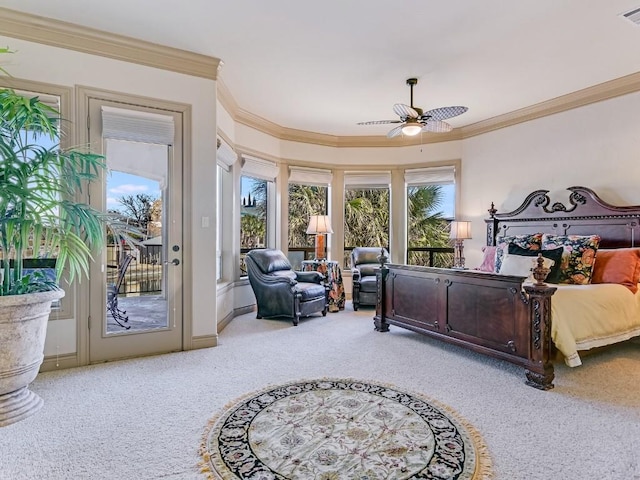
40	217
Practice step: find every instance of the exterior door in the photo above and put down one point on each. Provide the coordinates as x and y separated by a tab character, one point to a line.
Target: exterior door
136	281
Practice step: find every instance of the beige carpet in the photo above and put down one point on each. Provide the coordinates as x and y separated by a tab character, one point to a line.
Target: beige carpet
144	418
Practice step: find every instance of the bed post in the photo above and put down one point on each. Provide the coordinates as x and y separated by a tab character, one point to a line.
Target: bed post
380	325
539	372
492	225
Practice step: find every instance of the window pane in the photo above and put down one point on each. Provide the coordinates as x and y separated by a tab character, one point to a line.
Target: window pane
304	201
366	219
429	211
253	217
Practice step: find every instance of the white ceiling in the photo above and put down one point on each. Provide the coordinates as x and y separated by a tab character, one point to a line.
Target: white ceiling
324	66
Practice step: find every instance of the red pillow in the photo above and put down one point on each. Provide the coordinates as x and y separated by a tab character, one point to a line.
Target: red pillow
620	265
489	260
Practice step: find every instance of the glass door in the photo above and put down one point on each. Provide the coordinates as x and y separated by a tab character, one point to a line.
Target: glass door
135	291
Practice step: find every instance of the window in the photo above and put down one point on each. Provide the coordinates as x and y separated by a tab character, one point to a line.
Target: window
308	195
430	209
257	206
366	211
219	210
253	213
225	159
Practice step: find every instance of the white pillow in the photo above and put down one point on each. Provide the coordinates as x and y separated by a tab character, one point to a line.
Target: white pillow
522	266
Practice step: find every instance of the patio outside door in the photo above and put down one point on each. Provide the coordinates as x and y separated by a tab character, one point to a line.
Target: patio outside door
136	286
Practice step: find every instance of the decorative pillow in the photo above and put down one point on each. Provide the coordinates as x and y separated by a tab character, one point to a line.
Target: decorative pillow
522	266
621	265
555	255
489	260
529	242
577	258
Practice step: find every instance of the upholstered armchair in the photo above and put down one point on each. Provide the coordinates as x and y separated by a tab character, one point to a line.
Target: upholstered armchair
364	262
281	291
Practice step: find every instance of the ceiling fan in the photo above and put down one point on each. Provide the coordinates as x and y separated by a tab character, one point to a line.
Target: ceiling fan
414	121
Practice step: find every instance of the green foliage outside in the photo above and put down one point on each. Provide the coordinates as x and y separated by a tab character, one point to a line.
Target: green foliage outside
425	225
366	218
253	220
304	201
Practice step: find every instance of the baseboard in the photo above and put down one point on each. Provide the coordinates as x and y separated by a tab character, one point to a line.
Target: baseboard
204	341
225	321
59	362
242	310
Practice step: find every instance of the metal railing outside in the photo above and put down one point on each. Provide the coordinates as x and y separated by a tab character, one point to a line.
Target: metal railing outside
441	257
144	275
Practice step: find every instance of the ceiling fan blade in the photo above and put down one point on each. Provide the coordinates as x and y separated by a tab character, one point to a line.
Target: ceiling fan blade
404	111
443	113
395	131
437	126
379	122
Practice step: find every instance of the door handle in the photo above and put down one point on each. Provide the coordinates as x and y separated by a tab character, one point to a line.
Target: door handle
175	261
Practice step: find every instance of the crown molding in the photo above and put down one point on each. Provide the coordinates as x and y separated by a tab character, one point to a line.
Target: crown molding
597	93
263	125
56	33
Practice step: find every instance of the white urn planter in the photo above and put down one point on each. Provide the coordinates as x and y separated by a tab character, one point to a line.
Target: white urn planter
23	328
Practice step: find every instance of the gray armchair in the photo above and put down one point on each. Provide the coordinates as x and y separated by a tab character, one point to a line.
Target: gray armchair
281	291
364	262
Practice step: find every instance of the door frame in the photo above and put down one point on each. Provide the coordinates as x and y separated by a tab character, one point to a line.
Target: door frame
83	95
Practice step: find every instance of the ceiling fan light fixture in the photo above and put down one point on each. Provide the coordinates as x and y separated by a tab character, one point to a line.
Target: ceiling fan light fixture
411	129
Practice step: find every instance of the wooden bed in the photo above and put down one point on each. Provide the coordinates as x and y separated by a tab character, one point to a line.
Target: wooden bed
495	314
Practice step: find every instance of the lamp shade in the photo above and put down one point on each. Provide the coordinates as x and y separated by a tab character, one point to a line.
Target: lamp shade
319	224
460	230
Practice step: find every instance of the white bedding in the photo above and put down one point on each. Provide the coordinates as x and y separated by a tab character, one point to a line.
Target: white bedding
589	316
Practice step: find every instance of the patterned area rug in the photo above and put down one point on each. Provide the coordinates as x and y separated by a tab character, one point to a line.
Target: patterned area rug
333	429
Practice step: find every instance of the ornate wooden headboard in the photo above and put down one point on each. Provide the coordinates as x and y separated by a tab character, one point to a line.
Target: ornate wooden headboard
587	214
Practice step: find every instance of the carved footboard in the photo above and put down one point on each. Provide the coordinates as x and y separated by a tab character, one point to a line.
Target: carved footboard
488	313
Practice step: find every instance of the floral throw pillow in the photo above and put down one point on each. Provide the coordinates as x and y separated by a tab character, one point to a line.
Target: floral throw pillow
528	242
578	256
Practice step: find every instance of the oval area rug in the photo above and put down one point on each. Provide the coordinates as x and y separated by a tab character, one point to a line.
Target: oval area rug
333	429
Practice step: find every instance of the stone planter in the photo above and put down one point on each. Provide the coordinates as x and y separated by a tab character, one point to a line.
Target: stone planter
23	327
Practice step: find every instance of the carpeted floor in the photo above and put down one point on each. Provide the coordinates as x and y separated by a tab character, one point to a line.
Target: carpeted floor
144	418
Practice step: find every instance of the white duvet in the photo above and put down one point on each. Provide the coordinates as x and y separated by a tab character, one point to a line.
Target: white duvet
589	316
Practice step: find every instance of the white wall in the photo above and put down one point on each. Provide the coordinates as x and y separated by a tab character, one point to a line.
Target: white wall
596	146
53	65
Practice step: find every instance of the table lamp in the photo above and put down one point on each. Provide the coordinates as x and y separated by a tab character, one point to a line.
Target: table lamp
319	225
459	232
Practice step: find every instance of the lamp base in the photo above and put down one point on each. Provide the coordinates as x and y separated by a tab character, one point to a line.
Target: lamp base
320	247
458	257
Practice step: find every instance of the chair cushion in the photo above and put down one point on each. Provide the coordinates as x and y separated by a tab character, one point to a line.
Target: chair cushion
309	291
368	269
368	284
270	260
